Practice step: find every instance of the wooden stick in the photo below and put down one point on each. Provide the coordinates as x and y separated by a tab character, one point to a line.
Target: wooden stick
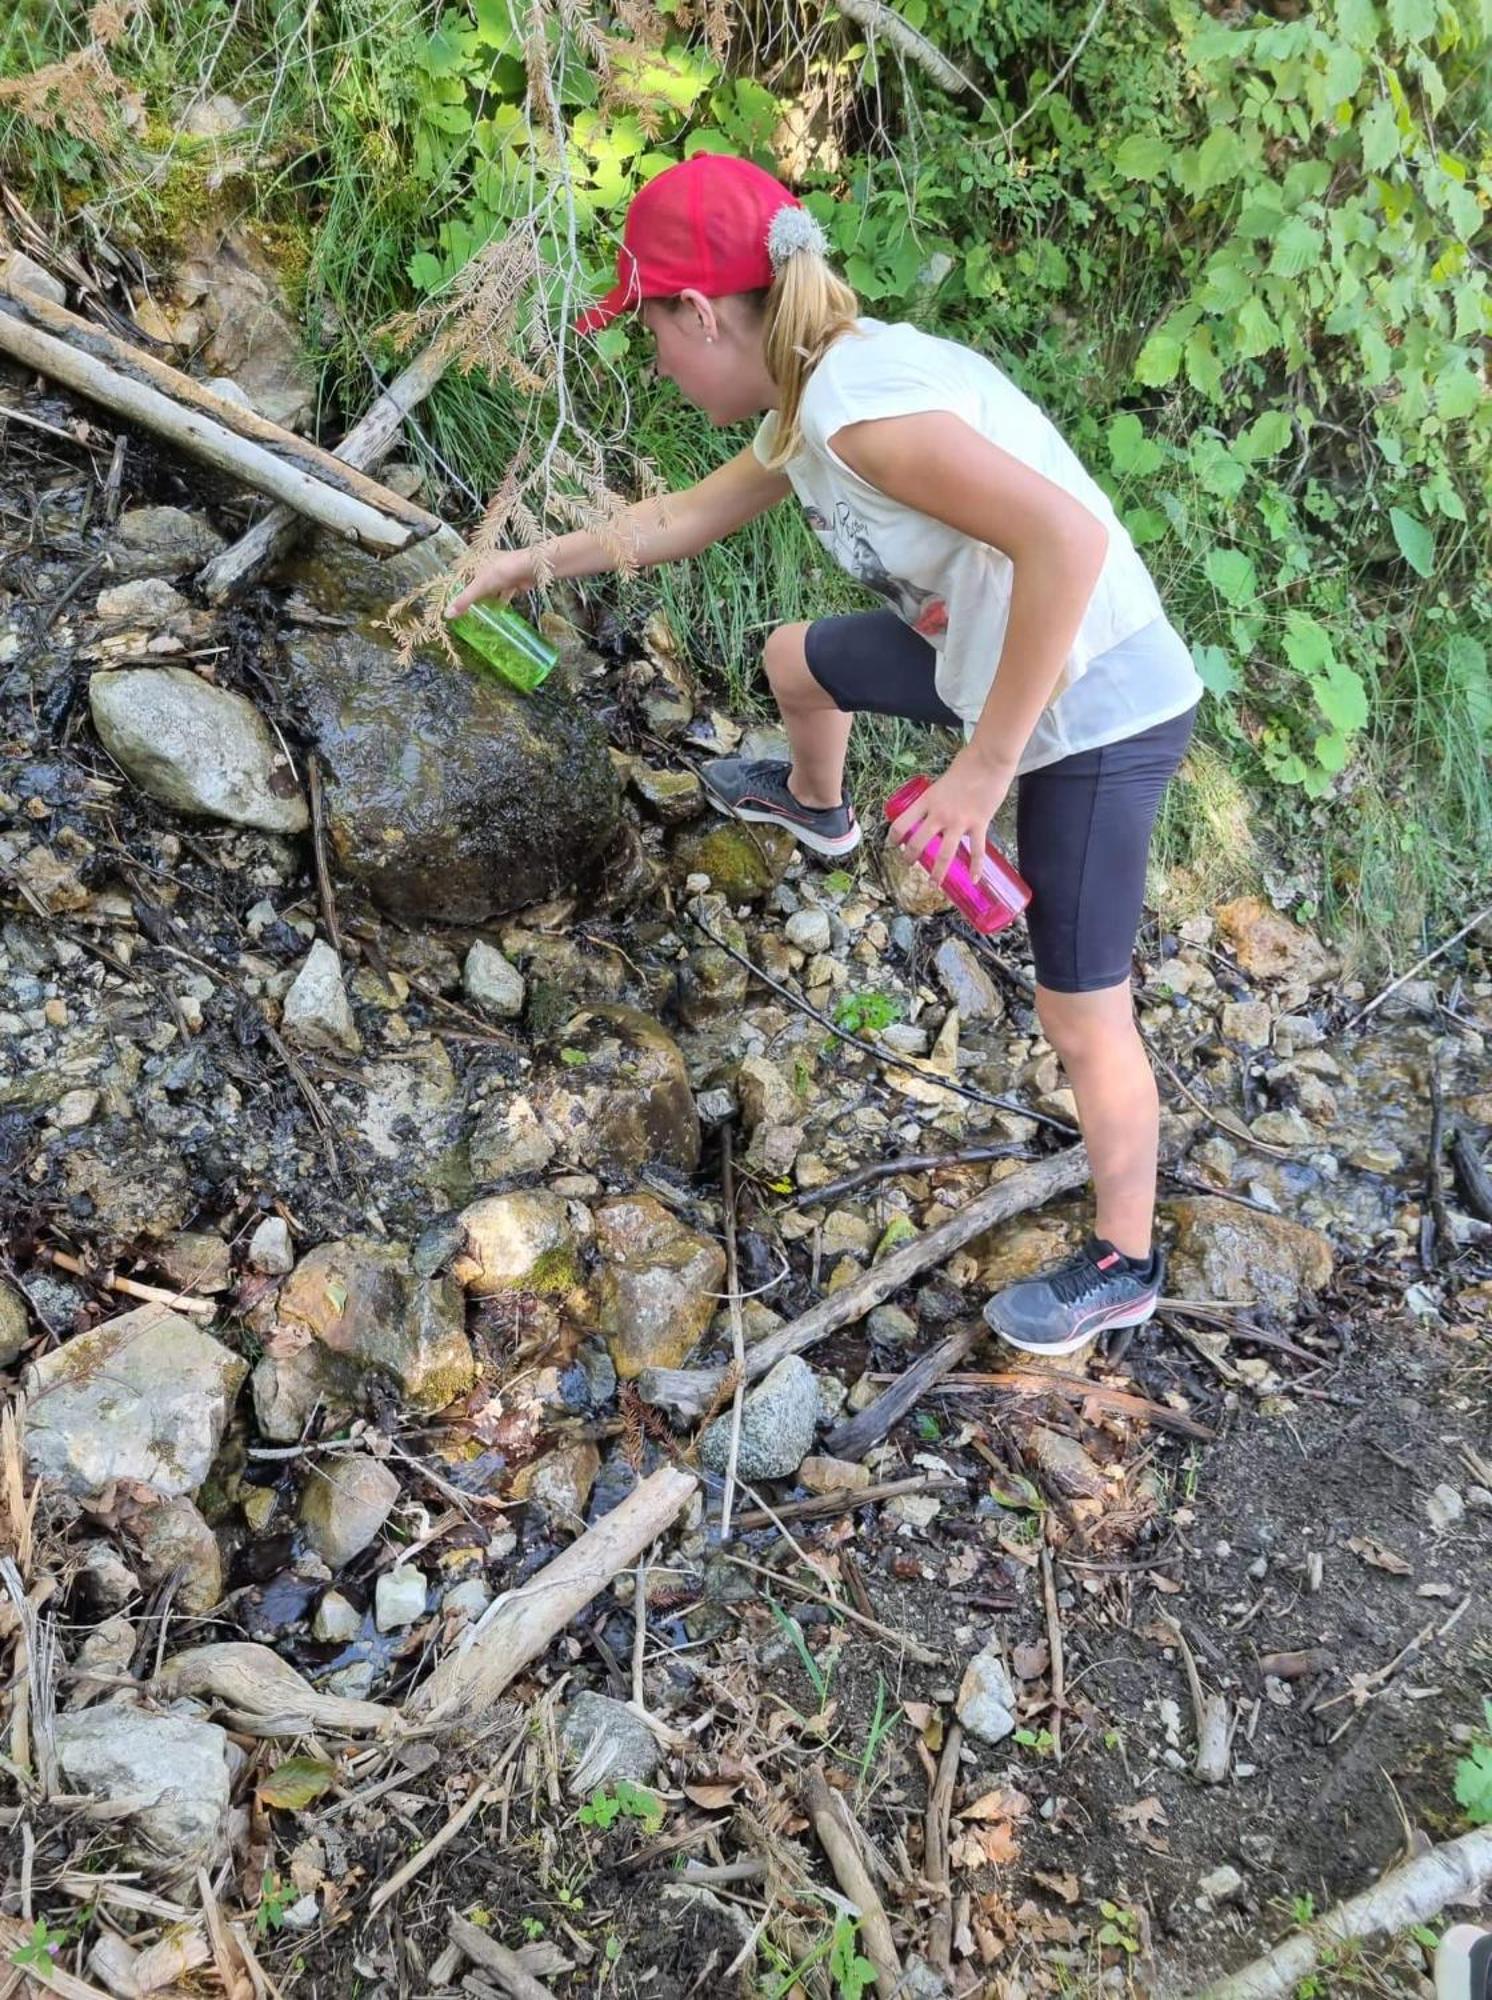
1419	965
504	1965
237	441
1077	1388
518	1627
423	1856
876	18
825	1505
1413	1893
854	1437
838	1839
908	1163
324	888
231	572
153	1295
1054	1647
935	1848
1214	1736
737	1330
690	1392
1475	1182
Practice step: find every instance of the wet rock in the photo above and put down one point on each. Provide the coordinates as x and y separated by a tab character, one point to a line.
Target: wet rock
508	1140
833	1475
24	274
318	1014
965	981
517	1242
744	863
449	795
270	1248
672	796
1226	1252
1248	1023
652	1296
411	1112
603	1740
144	1397
491	984
1268	946
619	1096
179	1765
198	748
15	1328
230	282
174	1540
336	1621
1287	1127
986	1697
160	541
764	1094
364	1317
559	1484
399	1598
345	1501
778	1419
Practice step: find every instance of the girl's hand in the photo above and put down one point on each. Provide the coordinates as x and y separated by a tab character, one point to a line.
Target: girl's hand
501	577
957	806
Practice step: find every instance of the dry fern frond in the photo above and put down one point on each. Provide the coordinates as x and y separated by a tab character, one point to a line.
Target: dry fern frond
81	94
475	321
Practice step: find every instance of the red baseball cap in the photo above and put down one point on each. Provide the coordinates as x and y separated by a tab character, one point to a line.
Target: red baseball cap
698	226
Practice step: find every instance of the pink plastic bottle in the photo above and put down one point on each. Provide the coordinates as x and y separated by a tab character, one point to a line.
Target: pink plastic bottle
990	900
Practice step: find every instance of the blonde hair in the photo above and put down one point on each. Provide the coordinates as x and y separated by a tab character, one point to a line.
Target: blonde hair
808	307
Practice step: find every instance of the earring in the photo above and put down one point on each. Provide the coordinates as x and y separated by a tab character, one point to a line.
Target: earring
709	340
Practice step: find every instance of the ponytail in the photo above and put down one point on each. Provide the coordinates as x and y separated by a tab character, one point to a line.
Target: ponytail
808	307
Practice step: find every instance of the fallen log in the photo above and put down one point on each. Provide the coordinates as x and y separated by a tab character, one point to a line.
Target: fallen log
239	442
1413	1893
365	445
518	1627
689	1392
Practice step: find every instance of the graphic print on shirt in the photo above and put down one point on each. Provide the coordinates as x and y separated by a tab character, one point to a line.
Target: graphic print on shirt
850	543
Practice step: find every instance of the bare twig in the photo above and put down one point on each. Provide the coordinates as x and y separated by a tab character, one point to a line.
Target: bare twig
324	888
504	1965
737	1330
908	1163
1054	1647
857	1434
847	1501
154	1295
419	1861
1214	1734
935	1843
1419	965
909	1646
839	1839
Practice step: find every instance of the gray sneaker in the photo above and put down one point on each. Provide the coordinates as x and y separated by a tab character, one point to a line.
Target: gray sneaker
1061	1310
756	788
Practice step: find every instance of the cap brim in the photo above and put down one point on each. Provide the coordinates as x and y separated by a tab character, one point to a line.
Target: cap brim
604	311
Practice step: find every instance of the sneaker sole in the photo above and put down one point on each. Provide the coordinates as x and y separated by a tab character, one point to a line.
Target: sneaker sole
821	843
1109	1322
1463	1964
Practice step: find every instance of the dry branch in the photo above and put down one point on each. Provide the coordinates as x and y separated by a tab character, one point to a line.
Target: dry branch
236	441
877	19
690	1391
504	1965
857	1434
518	1627
264	1695
837	1837
1413	1893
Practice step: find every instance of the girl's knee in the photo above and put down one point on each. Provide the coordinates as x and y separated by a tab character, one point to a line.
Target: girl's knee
785	659
1086	1026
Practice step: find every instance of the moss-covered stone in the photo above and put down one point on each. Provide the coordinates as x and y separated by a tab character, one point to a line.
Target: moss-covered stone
744	863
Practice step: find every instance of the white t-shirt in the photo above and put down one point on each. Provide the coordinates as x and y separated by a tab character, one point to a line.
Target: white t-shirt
955	590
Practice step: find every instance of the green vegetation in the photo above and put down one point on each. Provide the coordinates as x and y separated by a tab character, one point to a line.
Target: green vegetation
1241	262
1474	1775
627	1801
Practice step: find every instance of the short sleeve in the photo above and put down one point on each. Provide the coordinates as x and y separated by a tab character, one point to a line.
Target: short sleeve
765	439
859	381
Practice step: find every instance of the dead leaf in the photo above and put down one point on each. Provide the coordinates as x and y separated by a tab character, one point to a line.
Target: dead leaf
1145	1814
984	1847
1005	1804
919	1713
711	1797
295	1783
1031	1662
1065	1886
1376	1555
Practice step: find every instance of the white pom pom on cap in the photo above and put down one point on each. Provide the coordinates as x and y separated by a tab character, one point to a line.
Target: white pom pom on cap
793	230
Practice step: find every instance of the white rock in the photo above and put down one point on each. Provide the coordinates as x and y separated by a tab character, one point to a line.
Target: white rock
270	1248
399	1598
523	1241
337	1622
318	1013
74	1109
986	1697
144	1397
179	1766
1221	1886
148	600
808	930
1444	1507
491	983
468	1599
345	1502
199	748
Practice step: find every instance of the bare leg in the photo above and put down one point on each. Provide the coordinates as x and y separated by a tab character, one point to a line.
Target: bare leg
817	731
1095	1037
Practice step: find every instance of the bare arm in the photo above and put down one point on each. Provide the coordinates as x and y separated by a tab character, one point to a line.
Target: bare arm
941	466
651	531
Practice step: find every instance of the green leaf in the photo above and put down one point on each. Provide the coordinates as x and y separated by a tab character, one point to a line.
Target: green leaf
574	1058
1256	331
1342	698
1416	541
1297	248
1344	72
1474	1784
1231	574
1413	20
1218	674
295	1783
1159	360
1378	135
1308	645
425	271
1219	158
1458	391
1203	368
1146	525
1142	157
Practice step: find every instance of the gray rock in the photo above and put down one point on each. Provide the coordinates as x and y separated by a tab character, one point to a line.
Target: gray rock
144	1397
399	1598
230	391
966	982
174	1540
808	930
344	1503
892	1326
201	749
1226	1252
986	1697
559	1484
603	1740
231	282
619	1098
765	1095
106	1581
467	1599
1221	1886
105	1652
449	795
522	1241
15	1328
270	1248
491	983
26	275
336	1623
653	1296
778	1419
178	1765
1248	1023
148	601
671	795
160	541
318	1013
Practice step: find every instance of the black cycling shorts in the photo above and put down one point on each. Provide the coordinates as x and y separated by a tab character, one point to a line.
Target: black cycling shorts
1083	824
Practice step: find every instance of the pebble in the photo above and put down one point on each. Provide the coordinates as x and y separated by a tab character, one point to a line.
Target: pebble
74	1109
467	1599
337	1622
778	1419
1444	1507
270	1248
1221	1886
808	930
893	1326
491	983
986	1697
318	1014
399	1598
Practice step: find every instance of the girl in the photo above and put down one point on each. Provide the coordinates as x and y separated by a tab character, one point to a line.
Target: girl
1017	610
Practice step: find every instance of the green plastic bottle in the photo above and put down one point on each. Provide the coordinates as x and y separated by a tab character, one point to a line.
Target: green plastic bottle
507	644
